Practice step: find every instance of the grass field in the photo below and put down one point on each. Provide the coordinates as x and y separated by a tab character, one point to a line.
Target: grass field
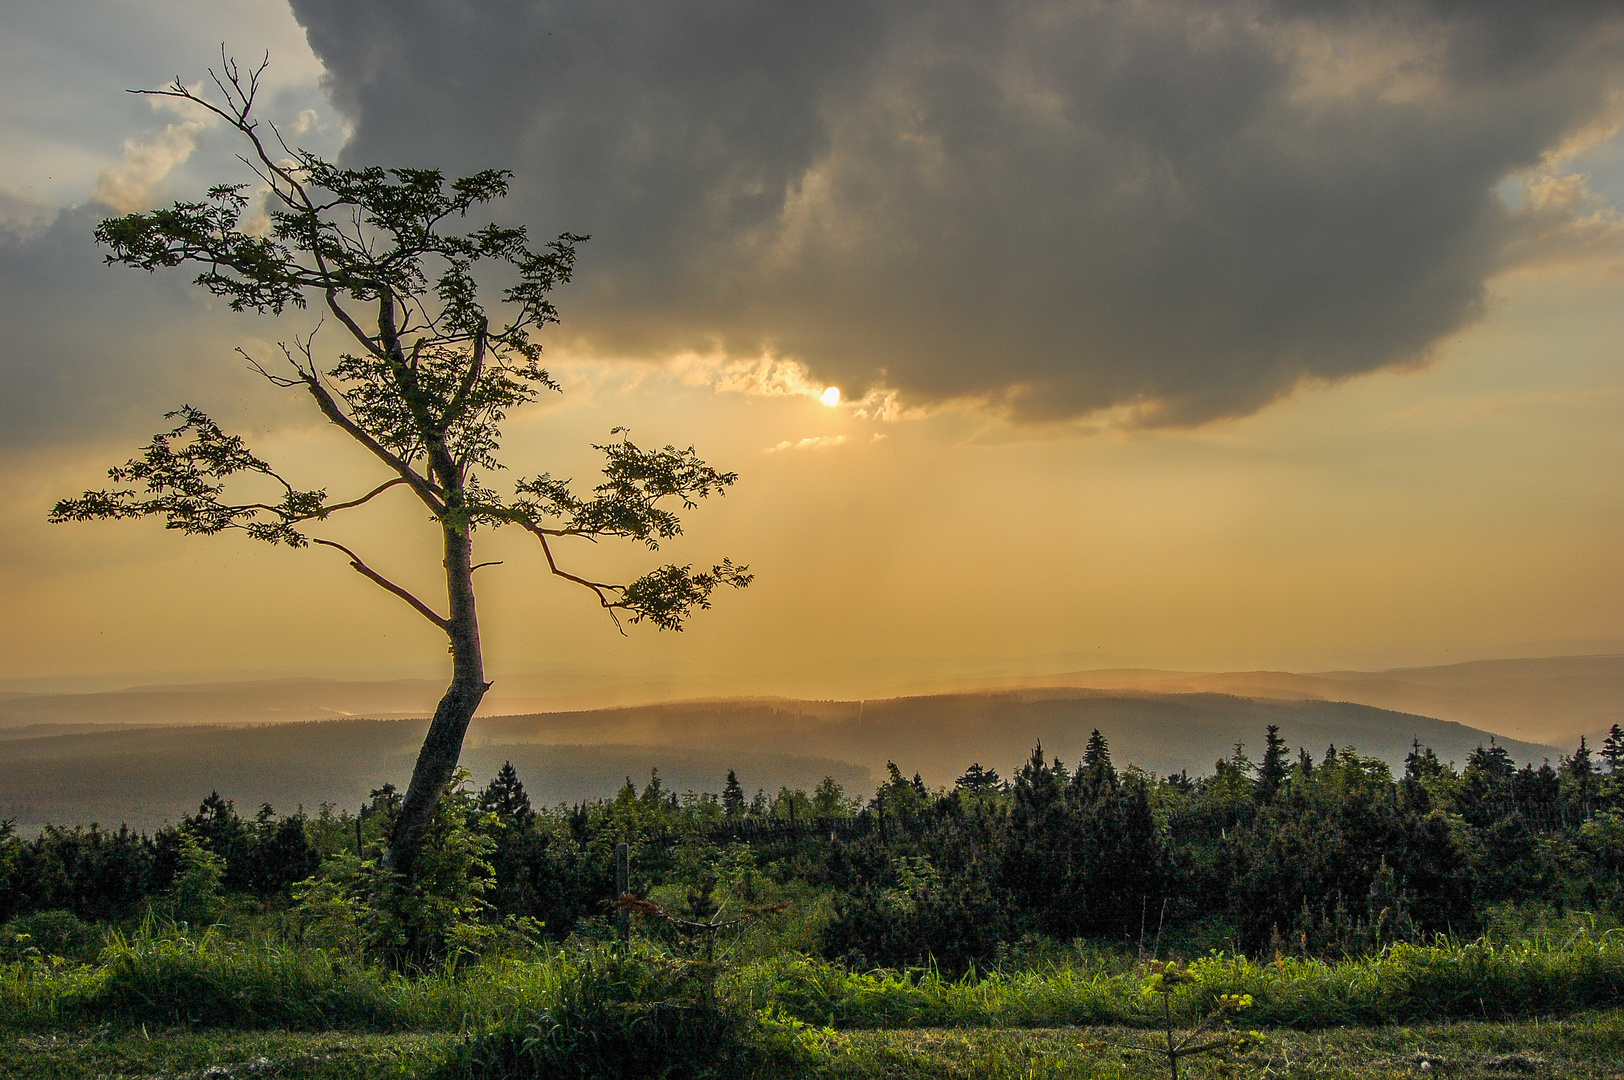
211	1009
1588	1046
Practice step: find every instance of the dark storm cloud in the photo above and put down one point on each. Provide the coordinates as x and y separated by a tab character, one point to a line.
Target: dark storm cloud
92	352
1183	208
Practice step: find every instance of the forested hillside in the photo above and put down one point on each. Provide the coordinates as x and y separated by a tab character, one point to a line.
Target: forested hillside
145	776
937	734
1288	851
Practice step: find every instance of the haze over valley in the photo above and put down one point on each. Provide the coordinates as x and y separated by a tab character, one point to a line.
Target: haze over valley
147	755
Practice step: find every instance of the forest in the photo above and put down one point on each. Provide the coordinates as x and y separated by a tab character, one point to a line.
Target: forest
1312	854
1331	890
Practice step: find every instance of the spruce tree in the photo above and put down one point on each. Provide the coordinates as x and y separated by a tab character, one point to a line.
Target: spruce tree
1272	772
1096	776
506	798
977	780
1579	776
1579	766
1612	751
1488	775
733	796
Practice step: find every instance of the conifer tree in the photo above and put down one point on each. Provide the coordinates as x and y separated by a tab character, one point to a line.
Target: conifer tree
1096	777
505	797
977	780
1579	766
1612	750
733	796
1489	774
1579	776
1272	772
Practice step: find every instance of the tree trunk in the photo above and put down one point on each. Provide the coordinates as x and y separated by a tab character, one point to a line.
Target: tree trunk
437	761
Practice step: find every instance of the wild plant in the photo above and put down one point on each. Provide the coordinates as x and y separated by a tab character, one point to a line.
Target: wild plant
1208	1032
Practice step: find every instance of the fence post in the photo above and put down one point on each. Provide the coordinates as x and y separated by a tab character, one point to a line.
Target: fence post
623	885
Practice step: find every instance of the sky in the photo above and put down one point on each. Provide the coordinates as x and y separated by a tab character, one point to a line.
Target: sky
1197	335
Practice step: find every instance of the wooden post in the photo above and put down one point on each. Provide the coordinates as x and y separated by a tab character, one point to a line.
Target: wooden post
623	885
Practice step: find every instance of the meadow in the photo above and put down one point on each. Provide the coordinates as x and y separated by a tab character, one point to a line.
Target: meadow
169	1003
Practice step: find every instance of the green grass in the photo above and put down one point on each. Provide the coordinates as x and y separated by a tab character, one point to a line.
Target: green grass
1587	1046
219	1055
1545	976
178	1006
214	982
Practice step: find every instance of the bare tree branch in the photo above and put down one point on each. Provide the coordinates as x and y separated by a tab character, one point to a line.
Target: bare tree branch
368	497
367	572
330	409
599	588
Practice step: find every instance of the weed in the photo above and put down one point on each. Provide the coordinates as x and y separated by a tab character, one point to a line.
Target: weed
1163	983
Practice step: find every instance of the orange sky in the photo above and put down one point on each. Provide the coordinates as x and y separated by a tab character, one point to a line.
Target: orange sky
1466	502
1469	509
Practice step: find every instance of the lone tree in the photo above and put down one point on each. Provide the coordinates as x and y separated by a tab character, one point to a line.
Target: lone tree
425	389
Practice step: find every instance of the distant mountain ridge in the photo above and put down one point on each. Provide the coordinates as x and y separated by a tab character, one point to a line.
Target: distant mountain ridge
1541	699
145	775
251	702
938	735
1549	700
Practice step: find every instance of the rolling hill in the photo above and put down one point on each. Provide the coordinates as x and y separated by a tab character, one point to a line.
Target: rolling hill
145	775
1550	700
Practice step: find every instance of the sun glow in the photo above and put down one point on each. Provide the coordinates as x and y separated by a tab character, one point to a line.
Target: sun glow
831	396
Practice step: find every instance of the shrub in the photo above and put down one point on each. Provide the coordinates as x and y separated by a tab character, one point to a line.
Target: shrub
618	1016
363	910
194	895
50	933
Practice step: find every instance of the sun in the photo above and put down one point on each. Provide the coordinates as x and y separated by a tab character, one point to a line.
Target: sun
831	396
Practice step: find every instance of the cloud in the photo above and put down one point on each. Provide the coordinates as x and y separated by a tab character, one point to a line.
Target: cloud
1563	222
811	442
131	184
763	376
21	216
94	353
1168	210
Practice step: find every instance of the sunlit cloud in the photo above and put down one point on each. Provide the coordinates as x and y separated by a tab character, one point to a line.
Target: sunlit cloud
1562	221
762	376
779	377
885	405
131	184
811	442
